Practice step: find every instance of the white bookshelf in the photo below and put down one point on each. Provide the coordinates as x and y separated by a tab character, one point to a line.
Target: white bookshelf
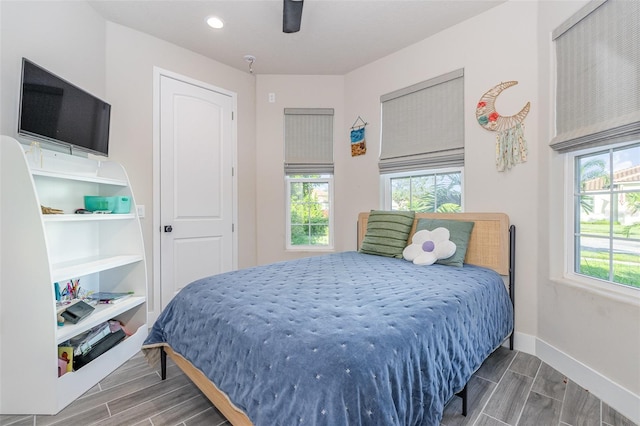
105	252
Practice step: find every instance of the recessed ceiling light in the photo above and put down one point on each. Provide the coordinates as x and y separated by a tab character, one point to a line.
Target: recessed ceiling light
215	22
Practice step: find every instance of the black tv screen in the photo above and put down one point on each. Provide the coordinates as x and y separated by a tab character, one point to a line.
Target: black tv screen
55	110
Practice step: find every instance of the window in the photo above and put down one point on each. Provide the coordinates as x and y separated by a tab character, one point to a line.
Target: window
607	214
598	127
308	169
424	191
310	214
422	154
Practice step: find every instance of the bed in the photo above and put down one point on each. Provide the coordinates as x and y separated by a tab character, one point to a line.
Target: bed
344	338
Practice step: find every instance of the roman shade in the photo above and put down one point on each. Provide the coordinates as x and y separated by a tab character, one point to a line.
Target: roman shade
308	140
598	76
423	125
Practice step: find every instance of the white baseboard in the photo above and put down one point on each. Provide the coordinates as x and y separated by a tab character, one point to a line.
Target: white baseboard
525	343
617	397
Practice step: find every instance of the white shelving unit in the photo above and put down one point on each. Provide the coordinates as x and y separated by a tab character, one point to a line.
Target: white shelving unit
105	252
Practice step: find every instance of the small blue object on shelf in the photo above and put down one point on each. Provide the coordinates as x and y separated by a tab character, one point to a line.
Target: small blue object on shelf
119	204
96	203
122	205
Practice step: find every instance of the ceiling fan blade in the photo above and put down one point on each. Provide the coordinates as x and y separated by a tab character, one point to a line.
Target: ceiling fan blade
292	16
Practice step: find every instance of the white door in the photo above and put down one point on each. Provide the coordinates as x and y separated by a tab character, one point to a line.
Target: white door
196	184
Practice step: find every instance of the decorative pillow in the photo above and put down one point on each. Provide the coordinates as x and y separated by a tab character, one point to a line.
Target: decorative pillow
428	246
387	233
460	232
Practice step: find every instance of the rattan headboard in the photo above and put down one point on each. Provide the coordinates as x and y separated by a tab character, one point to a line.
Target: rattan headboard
489	242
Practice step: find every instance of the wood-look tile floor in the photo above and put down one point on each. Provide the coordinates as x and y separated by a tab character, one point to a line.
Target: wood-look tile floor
511	388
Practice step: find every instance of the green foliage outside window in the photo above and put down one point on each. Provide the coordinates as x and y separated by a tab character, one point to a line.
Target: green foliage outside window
427	193
309	210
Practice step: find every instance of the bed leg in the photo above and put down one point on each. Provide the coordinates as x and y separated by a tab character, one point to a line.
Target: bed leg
512	279
163	364
463	394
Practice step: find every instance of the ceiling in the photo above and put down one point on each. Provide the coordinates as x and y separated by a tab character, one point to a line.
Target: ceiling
336	36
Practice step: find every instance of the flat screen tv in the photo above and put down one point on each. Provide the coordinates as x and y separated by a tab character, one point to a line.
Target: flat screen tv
54	110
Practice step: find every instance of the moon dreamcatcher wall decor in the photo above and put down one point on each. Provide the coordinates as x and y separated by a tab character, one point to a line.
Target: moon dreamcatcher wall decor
511	146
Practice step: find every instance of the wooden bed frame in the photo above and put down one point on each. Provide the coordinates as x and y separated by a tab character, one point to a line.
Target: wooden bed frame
492	245
489	242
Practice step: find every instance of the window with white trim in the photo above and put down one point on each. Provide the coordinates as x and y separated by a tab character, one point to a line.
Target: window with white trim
598	129
308	169
606	210
422	154
310	211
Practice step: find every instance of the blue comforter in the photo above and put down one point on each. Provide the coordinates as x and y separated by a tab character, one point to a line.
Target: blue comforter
339	339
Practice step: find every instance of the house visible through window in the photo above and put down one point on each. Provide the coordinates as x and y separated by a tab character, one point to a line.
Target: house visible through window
308	169
607	214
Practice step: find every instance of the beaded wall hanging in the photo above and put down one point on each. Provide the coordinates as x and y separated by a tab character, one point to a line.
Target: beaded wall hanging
511	146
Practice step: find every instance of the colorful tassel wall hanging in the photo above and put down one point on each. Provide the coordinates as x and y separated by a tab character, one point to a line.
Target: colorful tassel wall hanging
511	145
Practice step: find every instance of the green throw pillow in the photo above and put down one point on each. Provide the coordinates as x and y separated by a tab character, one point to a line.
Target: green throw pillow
460	232
387	233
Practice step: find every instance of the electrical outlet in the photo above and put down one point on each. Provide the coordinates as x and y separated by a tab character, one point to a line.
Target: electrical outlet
272	98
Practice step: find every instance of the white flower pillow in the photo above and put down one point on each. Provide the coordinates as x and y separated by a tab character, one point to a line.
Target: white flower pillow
428	246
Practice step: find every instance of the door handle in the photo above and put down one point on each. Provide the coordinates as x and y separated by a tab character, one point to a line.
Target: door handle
168	228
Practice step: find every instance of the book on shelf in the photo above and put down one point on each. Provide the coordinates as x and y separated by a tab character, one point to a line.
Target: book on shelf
105	297
65	360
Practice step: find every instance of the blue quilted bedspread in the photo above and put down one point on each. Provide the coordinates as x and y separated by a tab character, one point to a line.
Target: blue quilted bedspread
339	339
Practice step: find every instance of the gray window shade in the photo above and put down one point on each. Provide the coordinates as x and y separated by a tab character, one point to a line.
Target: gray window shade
423	125
308	140
598	76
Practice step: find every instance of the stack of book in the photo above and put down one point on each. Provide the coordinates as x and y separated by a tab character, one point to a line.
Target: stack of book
85	347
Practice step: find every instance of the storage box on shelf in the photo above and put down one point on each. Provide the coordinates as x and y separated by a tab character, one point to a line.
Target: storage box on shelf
105	252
